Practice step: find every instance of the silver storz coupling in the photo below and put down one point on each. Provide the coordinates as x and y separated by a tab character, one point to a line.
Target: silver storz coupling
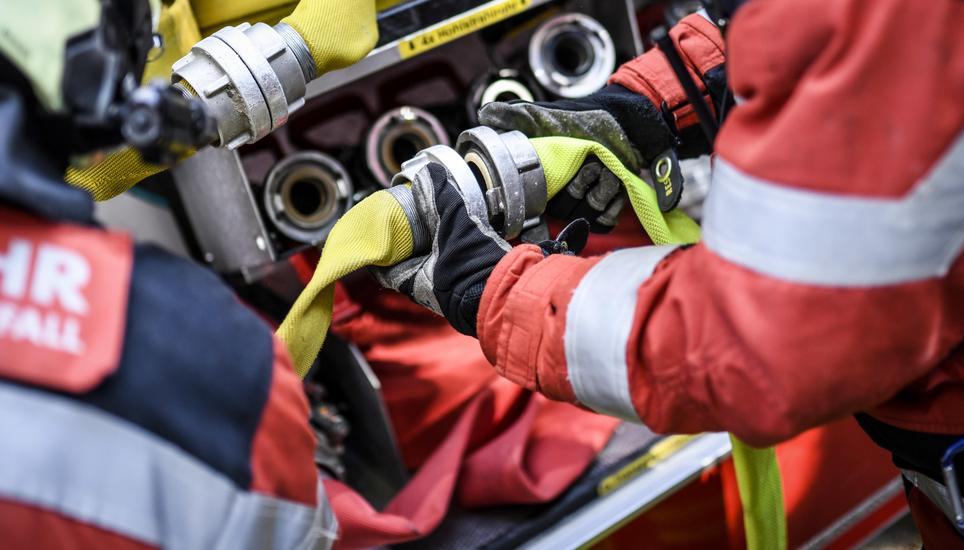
499	176
572	55
250	79
305	193
508	169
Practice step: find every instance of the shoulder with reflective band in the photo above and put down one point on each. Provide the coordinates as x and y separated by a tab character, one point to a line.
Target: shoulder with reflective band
834	240
598	322
63	301
126	480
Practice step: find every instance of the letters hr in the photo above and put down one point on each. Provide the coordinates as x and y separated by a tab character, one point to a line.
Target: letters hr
59	275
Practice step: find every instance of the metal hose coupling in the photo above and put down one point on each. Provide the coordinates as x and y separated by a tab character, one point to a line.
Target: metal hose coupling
499	175
397	136
251	78
305	193
500	85
510	173
572	55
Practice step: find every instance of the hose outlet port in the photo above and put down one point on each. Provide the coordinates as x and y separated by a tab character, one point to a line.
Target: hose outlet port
398	136
500	85
572	55
305	194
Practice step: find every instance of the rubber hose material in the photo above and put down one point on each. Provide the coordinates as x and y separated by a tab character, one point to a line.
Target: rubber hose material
337	32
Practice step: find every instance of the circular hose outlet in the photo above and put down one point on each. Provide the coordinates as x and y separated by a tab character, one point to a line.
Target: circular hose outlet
399	135
572	55
305	194
500	85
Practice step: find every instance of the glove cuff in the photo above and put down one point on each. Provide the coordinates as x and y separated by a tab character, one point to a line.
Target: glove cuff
467	313
700	44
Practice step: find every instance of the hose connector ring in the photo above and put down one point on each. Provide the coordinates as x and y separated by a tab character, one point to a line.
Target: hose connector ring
397	136
304	195
572	55
249	79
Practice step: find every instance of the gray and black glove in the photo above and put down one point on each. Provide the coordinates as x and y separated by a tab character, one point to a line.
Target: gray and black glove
463	251
626	123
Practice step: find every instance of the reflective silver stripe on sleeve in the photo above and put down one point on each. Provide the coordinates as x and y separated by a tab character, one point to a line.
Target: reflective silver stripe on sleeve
92	467
598	322
834	240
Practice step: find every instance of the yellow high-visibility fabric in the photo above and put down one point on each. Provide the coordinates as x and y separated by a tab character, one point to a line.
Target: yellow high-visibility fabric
562	157
122	169
337	32
214	14
179	30
376	232
761	494
112	176
757	472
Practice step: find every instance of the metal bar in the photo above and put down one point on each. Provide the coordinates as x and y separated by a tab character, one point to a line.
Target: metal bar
222	211
609	512
844	523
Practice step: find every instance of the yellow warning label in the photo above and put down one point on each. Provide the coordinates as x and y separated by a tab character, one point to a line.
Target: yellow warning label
657	453
460	27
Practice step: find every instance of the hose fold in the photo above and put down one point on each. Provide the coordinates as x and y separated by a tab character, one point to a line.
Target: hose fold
375	232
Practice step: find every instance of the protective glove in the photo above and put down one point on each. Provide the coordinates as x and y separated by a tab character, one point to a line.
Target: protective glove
450	278
626	123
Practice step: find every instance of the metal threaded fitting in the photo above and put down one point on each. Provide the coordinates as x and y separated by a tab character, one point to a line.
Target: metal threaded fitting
249	78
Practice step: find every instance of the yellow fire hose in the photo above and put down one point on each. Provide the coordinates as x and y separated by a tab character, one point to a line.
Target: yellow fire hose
376	233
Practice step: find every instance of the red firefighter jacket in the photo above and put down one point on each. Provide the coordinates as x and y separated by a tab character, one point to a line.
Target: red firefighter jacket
829	279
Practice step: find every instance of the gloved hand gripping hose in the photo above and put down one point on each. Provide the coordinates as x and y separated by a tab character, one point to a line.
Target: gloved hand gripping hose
378	232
